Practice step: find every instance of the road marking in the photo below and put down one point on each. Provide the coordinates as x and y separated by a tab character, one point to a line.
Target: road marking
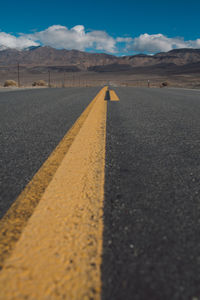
113	96
15	220
58	255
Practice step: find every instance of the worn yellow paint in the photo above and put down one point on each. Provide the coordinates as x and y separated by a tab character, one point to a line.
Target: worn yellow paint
58	255
14	221
113	96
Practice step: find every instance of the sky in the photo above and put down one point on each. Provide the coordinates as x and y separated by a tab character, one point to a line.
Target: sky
116	27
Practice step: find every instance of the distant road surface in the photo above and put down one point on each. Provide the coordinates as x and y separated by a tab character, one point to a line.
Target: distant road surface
151	223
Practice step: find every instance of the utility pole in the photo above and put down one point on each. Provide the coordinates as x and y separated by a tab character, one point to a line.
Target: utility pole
18	77
49	84
64	79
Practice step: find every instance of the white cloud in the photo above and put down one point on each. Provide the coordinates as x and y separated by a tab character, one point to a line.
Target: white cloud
61	37
11	41
195	44
124	39
58	36
159	43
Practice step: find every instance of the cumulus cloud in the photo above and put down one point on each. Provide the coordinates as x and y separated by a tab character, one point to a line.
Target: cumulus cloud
195	44
124	39
58	36
159	43
13	42
61	37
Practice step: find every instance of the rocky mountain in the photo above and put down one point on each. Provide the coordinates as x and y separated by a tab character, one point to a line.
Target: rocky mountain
53	57
177	56
38	58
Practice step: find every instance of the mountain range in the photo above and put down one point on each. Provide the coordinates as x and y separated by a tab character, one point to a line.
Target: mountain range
181	60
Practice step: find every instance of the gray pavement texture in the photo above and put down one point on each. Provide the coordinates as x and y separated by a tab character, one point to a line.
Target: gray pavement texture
32	123
151	247
151	242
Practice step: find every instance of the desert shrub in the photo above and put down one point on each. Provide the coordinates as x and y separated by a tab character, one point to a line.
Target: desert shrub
39	83
165	83
8	83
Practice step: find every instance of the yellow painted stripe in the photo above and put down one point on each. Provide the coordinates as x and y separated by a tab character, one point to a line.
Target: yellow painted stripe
113	96
58	255
14	221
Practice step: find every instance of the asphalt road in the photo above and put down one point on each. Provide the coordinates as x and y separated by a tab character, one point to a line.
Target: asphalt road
151	241
32	123
151	246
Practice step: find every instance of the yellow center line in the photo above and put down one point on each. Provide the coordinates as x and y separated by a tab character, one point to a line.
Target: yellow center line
58	255
113	96
14	221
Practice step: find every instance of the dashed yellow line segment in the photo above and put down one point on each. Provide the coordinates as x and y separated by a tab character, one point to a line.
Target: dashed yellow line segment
15	220
113	96
58	254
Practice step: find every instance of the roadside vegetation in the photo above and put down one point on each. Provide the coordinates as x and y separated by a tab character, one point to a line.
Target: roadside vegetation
39	83
10	83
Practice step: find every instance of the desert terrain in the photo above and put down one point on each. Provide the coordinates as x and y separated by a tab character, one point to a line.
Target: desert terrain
68	68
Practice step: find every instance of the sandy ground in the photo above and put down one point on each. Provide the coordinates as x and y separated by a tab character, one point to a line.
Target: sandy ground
84	79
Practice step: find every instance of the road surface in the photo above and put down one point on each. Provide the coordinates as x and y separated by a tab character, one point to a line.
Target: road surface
147	246
32	124
152	194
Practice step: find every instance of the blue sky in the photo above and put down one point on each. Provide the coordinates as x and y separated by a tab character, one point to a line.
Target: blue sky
167	25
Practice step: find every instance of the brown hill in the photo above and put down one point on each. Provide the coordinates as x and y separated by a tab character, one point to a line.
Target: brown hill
54	57
178	57
37	59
